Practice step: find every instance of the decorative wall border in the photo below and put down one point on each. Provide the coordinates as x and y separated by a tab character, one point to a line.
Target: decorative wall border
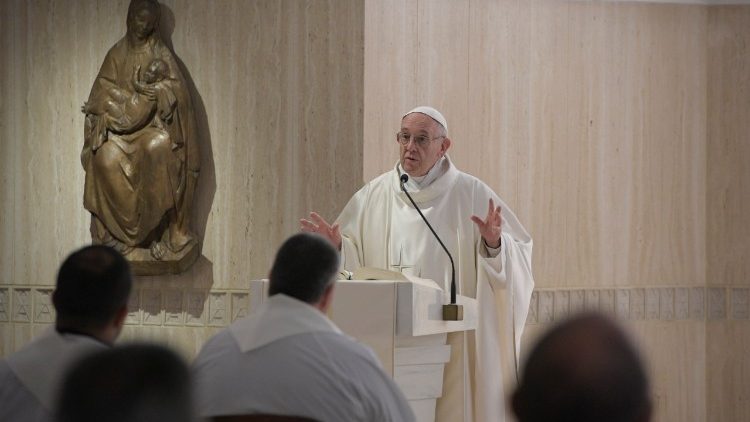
149	306
153	306
643	303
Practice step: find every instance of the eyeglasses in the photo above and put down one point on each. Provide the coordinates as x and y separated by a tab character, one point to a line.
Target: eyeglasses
420	140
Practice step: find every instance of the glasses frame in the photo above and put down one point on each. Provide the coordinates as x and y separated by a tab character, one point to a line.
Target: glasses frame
419	140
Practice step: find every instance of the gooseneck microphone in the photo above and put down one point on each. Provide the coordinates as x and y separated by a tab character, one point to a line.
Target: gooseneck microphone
404	179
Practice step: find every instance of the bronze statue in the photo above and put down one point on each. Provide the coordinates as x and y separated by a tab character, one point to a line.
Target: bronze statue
140	150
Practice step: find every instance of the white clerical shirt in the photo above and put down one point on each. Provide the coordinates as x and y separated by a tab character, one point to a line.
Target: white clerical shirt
288	358
30	378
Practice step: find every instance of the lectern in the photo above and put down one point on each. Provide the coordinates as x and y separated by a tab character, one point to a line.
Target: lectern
402	321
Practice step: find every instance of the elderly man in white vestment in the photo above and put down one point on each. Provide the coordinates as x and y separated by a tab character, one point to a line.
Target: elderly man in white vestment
289	359
380	228
91	296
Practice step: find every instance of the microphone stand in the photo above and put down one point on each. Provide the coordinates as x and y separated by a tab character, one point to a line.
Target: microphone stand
452	311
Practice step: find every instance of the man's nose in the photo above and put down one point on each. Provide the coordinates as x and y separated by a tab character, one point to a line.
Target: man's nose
412	143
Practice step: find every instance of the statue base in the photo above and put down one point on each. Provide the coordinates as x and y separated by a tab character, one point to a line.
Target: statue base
142	263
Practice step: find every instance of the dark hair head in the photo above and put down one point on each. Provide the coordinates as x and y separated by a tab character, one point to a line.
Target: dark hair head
133	383
304	266
585	369
93	284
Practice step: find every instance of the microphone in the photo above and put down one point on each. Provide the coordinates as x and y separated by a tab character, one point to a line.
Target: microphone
452	311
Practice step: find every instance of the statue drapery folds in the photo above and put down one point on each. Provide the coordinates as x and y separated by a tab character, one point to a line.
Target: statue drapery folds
140	150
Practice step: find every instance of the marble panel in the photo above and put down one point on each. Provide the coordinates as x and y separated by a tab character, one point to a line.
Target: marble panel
4	304
666	303
637	304
134	308
151	303
740	305
562	304
218	309
44	312
240	305
697	303
22	311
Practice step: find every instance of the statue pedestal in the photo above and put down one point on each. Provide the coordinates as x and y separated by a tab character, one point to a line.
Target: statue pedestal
142	263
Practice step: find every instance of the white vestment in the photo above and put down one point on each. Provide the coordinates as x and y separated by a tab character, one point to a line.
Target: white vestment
30	377
380	228
288	358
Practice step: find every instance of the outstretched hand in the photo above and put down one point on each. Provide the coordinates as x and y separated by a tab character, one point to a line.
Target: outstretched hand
491	227
316	224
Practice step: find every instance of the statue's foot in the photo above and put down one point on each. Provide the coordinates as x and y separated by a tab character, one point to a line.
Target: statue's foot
178	240
158	250
115	244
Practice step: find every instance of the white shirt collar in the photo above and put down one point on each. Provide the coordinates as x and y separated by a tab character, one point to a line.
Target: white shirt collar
420	182
278	317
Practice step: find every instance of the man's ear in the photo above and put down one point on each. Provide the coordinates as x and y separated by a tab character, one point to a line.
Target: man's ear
327	299
445	145
120	316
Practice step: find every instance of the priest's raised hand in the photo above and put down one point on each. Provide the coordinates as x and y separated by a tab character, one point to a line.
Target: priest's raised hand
491	227
317	224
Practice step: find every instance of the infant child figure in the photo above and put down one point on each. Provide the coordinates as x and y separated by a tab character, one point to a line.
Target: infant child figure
125	111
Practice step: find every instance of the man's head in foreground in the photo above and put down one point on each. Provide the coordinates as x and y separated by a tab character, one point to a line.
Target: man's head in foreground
585	369
305	268
91	296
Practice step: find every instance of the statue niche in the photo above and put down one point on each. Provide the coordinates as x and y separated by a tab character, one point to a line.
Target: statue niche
140	150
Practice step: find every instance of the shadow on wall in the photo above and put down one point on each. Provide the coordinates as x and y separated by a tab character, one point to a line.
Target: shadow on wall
185	299
206	188
181	299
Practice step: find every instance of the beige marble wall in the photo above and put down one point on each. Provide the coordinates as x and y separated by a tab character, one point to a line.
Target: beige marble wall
278	88
727	210
593	120
588	118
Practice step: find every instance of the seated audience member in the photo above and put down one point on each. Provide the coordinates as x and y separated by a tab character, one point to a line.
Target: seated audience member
91	298
583	370
133	383
289	359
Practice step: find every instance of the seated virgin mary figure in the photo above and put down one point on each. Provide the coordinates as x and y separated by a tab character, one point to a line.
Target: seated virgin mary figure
140	153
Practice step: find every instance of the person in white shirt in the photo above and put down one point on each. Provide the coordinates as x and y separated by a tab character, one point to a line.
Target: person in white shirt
91	296
379	227
288	358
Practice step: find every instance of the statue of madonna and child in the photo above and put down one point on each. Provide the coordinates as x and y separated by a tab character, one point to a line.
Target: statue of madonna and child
140	150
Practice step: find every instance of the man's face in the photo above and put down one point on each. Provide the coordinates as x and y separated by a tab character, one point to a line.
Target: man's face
416	159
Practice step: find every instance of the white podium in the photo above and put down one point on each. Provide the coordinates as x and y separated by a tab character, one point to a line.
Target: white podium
402	322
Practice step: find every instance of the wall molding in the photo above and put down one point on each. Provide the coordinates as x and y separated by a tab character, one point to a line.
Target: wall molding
154	306
712	303
693	2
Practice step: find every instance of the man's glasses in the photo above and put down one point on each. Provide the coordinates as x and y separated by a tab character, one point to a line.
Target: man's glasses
420	140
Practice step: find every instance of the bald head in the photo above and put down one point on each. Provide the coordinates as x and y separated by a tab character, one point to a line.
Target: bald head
583	370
